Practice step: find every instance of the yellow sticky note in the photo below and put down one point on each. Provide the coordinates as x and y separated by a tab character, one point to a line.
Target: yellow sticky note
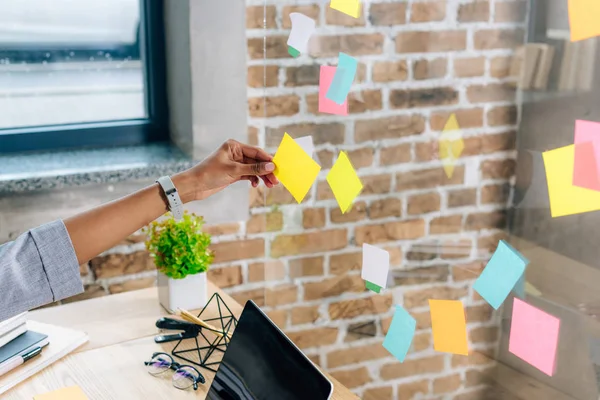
449	326
566	199
295	169
583	19
348	7
344	182
451	145
532	290
68	393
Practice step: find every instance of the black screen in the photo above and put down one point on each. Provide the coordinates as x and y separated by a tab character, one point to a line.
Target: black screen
262	363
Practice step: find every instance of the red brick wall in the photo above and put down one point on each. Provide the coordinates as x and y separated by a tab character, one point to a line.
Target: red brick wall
420	62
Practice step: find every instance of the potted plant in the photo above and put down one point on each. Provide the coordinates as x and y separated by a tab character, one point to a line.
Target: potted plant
182	256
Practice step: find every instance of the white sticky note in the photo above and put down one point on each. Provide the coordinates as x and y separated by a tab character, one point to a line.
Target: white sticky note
306	142
376	265
302	29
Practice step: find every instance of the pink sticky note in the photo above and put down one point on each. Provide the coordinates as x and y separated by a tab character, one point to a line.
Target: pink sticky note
586	171
325	105
534	336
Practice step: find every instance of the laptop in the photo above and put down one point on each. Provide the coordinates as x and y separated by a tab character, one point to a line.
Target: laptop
262	363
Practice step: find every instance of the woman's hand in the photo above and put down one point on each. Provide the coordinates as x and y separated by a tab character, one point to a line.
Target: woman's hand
230	163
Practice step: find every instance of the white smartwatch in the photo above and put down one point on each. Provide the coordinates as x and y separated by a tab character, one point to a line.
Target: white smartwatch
175	204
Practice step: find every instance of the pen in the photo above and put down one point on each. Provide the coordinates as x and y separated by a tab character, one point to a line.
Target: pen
18	360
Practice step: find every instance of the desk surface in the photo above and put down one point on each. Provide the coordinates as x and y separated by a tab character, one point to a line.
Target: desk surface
110	366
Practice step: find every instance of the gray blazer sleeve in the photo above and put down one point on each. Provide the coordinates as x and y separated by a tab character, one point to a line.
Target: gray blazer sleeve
39	267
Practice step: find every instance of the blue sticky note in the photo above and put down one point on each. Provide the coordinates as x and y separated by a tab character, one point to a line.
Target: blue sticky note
400	335
501	274
343	79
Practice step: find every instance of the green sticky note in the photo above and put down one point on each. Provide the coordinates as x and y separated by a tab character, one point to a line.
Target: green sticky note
293	52
373	287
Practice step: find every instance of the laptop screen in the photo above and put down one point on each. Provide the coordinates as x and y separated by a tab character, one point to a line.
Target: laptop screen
262	363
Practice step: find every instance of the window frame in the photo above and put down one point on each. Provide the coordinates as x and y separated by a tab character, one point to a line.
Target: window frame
130	132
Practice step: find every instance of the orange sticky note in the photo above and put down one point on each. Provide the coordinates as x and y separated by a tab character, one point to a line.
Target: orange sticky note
449	326
583	19
68	393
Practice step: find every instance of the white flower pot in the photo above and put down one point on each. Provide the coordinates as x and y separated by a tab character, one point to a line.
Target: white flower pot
189	293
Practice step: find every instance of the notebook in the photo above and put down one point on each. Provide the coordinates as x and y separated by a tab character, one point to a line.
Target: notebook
20	345
12	323
12	335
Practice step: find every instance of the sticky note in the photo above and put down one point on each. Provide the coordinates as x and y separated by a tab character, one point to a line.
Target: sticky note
587	155
449	326
68	393
532	290
451	145
302	29
348	7
400	334
372	287
375	265
326	75
344	182
565	198
534	336
343	78
295	169
583	19
501	274
306	142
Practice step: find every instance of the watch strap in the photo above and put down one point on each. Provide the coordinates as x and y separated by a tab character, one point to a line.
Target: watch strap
175	204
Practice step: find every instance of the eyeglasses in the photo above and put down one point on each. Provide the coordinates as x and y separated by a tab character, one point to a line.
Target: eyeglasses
185	376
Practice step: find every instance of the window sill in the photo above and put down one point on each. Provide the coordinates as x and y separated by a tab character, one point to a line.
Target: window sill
20	173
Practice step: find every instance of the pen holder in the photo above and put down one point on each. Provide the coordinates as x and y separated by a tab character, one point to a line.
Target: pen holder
205	351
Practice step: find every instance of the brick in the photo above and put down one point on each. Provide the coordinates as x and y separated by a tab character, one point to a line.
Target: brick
255	16
376	184
256	295
390	207
498	169
428	11
388	14
456	248
304	315
113	265
469	67
421	342
133	284
269	222
500	66
352	378
348	309
495	194
478	11
420	298
256	76
430	41
358	212
423	251
355	44
276	47
276	106
426	151
313	218
226	276
474	358
395	255
360	330
222	229
413	390
446	224
321	133
325	158
355	355
89	292
341	264
334	17
510	11
476	395
418	276
482	313
490	93
430	69
487	39
379	393
266	271
279	317
446	384
467	272
499	142
428	178
390	231
504	115
462	198
372	101
304	75
324	191
484	334
281	294
361	158
423	203
310	266
395	154
262	197
313	337
466	118
252	136
440	96
414	367
486	220
238	250
389	71
311	11
388	128
490	242
333	287
314	242
476	377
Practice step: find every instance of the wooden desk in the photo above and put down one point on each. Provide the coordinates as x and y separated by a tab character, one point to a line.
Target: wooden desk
110	366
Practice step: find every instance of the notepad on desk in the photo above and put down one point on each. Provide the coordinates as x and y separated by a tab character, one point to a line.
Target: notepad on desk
62	341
